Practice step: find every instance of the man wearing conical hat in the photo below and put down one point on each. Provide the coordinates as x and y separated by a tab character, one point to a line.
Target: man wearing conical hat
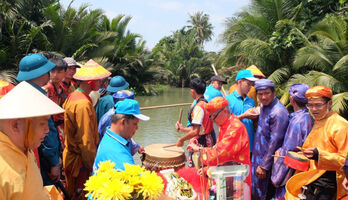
252	92
80	128
326	146
24	114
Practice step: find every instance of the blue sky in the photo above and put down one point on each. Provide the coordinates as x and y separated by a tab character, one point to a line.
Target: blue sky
154	19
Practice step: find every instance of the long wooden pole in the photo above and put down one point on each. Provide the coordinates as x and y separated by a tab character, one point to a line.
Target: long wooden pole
222	87
165	106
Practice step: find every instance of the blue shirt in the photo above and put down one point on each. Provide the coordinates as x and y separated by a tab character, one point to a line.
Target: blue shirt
115	148
238	106
211	92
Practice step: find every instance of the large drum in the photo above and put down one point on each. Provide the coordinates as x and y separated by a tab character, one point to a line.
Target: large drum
158	157
296	161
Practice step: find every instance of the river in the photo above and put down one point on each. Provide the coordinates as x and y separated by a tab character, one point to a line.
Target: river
161	126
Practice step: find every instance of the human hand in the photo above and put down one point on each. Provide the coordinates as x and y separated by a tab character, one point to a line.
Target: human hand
54	173
180	143
345	184
141	150
192	147
260	173
178	126
276	156
252	113
309	153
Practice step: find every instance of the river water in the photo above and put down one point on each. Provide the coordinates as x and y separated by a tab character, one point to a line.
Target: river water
161	126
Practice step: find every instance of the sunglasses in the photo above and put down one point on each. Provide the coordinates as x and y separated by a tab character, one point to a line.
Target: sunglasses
213	117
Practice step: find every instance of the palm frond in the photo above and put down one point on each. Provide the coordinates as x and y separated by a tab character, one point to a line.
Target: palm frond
340	102
280	75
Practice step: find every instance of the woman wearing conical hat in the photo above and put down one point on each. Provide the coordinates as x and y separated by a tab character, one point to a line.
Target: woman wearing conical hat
24	114
80	128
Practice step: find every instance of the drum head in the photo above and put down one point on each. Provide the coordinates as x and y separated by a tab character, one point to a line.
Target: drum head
161	157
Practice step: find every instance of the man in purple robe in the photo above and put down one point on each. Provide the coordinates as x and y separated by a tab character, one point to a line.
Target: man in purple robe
272	125
300	125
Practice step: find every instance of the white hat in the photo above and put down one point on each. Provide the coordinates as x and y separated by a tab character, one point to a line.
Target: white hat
95	96
25	101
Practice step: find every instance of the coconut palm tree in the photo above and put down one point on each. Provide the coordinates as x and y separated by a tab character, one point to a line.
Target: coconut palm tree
200	24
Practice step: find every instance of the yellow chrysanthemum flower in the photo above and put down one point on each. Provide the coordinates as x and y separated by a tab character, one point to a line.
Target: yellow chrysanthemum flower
152	185
133	170
113	184
105	166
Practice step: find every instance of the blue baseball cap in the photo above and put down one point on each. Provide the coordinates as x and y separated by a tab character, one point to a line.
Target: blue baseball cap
246	74
116	84
33	66
130	107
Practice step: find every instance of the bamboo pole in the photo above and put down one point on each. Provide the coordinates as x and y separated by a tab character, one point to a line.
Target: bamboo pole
222	87
165	106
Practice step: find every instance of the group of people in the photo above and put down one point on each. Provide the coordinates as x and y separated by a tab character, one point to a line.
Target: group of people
257	130
52	124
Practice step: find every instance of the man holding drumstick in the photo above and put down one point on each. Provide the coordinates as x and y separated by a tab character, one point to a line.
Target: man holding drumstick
326	146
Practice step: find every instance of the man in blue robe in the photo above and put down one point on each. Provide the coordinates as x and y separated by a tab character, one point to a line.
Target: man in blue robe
106	102
300	125
272	124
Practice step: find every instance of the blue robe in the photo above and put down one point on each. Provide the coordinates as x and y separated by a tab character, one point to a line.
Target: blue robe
104	104
272	125
300	125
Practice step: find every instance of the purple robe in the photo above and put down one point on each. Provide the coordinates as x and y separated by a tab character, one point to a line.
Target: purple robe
300	125
272	125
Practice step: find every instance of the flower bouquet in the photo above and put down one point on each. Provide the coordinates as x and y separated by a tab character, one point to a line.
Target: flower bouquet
134	183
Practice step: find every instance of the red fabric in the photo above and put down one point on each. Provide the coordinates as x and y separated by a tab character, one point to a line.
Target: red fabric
190	174
207	122
232	145
165	182
36	153
5	87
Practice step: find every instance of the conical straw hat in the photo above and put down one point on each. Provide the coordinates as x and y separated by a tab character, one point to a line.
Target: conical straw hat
25	101
255	71
91	71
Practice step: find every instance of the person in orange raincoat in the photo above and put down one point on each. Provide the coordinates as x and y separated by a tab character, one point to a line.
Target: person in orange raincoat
233	141
23	126
80	129
326	146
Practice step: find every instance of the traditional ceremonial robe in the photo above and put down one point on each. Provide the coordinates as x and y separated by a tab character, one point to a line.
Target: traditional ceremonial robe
104	104
272	125
330	137
19	175
81	138
300	125
232	145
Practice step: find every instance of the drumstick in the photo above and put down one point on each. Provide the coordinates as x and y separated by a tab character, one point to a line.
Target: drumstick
278	156
300	148
171	145
179	120
180	115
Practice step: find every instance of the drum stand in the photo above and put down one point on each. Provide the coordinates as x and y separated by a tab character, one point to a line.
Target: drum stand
301	195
